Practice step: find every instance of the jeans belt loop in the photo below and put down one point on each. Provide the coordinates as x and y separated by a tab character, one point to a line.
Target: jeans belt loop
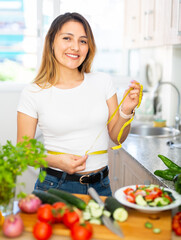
81	178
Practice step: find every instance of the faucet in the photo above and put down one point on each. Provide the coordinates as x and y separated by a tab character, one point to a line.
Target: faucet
177	117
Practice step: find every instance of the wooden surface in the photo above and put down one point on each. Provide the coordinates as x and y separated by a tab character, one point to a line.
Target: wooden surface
133	228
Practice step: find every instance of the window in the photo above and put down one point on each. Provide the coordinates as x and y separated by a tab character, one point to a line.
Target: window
22	33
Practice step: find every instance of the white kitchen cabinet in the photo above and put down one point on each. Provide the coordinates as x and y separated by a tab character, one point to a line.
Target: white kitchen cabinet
125	170
173	22
132	24
152	23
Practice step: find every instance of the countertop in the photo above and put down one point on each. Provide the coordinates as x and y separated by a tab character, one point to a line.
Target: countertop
146	150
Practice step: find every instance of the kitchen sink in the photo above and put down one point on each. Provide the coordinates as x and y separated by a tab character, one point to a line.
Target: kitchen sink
153	132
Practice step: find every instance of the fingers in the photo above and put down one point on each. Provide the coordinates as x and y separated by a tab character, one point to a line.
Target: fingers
80	163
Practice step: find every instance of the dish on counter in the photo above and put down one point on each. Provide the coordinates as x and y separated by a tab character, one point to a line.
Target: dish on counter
121	197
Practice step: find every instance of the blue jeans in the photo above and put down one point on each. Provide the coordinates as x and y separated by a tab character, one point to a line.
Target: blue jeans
103	187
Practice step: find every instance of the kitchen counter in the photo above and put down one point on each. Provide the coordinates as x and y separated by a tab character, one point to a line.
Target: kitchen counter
146	150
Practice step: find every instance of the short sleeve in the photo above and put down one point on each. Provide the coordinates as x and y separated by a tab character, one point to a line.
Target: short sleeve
110	89
27	102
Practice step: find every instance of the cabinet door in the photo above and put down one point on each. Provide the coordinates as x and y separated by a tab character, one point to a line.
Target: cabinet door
132	23
152	23
173	22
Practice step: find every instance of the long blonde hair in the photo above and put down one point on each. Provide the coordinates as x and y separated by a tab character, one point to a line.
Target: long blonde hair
48	73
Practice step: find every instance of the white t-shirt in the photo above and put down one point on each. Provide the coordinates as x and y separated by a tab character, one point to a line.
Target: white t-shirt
71	119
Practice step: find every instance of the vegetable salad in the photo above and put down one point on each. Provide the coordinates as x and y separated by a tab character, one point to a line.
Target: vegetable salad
149	195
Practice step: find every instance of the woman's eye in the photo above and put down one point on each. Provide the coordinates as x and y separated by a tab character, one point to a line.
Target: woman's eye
83	42
66	38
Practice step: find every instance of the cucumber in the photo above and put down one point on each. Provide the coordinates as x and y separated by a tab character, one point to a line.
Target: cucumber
117	210
47	197
140	200
68	197
160	201
95	221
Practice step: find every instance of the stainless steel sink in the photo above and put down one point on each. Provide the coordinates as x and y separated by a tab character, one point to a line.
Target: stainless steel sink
153	132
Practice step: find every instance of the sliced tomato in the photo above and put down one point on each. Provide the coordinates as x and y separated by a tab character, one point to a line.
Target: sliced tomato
158	191
151	196
140	192
130	198
128	190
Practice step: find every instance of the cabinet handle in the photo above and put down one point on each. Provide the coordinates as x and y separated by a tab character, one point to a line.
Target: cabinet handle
179	19
147	14
115	178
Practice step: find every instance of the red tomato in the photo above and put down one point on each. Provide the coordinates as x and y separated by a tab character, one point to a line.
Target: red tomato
140	192
128	190
151	196
178	231
70	217
45	214
159	191
130	198
81	231
42	231
59	208
176	224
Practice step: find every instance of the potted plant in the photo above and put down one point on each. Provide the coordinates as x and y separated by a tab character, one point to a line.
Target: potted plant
14	160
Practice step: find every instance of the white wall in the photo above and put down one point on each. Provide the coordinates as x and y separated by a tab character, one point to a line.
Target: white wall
9	97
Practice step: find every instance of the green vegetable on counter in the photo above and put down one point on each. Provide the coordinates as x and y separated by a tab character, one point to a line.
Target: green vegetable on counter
170	164
167	174
173	173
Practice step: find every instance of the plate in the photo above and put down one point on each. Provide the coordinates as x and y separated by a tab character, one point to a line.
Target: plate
121	197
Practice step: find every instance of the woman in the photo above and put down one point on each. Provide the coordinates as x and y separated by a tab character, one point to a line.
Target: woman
71	106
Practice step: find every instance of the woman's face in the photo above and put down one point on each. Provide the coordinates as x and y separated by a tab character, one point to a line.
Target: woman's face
71	45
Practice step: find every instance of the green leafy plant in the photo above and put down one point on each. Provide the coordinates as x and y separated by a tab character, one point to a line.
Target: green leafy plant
14	160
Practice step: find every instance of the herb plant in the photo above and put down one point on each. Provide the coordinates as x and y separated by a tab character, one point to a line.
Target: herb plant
14	160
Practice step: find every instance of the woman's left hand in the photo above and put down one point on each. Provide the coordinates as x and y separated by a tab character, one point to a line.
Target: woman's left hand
132	99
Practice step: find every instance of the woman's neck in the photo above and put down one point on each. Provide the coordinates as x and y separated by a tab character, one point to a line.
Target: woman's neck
69	79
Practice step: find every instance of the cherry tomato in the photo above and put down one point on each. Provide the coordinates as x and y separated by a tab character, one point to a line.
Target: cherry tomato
45	214
59	208
81	231
70	217
42	230
176	224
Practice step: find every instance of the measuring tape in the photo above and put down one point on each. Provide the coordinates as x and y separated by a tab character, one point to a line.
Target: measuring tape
119	134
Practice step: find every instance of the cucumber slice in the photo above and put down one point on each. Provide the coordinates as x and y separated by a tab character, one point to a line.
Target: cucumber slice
95	221
106	213
140	200
161	201
86	215
120	214
96	212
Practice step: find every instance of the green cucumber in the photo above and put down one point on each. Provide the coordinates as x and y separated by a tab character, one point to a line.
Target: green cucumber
46	197
117	210
68	197
140	200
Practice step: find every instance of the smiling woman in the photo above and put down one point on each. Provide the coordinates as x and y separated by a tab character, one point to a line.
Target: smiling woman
60	100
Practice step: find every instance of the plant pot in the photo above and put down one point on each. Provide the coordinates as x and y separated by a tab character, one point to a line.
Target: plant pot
7	208
7	201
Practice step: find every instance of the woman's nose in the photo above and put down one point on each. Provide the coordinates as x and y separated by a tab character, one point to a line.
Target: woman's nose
75	45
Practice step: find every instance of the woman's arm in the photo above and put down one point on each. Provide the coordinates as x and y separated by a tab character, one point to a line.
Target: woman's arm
128	106
26	126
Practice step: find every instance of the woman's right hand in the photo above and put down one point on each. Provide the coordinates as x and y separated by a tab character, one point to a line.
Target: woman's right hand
68	163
